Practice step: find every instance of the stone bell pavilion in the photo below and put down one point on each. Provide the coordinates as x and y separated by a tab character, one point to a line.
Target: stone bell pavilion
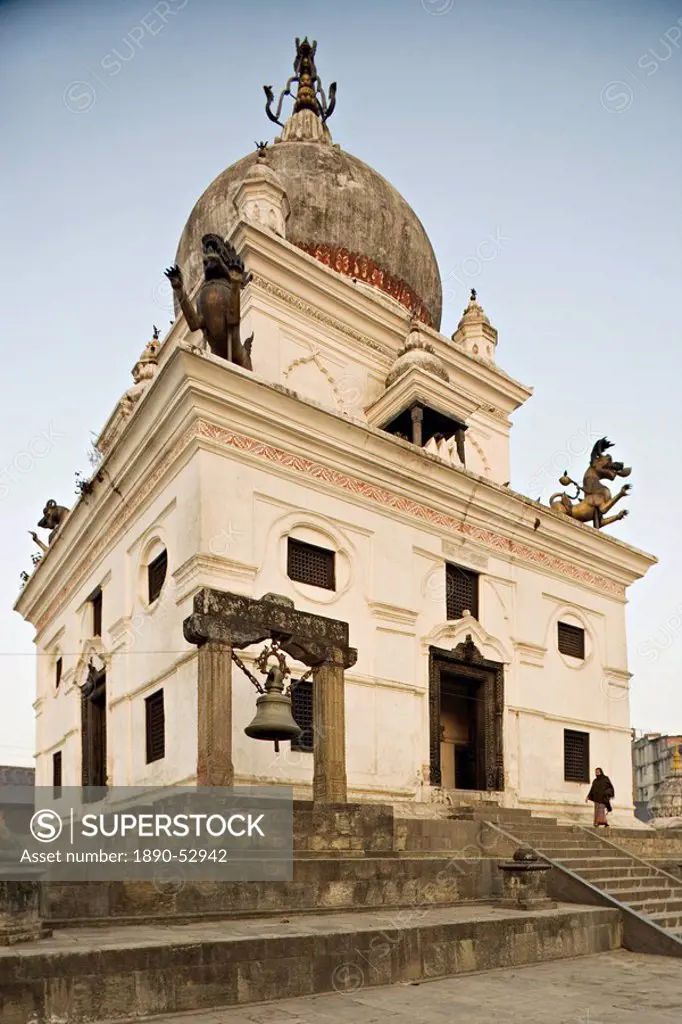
448	639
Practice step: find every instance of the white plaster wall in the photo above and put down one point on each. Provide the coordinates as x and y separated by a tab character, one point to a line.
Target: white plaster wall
237	515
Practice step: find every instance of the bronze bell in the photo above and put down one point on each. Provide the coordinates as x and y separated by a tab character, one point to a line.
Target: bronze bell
273	720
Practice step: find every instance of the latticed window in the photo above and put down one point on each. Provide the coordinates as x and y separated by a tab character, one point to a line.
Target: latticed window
155	721
571	640
302	710
156	574
307	563
57	774
461	592
576	756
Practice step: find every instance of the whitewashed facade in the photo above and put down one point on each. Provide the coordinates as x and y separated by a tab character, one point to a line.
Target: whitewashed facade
219	467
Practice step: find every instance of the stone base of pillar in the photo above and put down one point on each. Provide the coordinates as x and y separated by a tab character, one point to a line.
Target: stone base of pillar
20	912
524	883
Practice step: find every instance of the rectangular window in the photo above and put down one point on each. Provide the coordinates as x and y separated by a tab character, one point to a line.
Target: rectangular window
58	672
156	574
571	640
155	721
57	774
307	563
576	756
302	710
96	602
461	592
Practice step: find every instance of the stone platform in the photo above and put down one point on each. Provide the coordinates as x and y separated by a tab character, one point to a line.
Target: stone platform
134	972
610	988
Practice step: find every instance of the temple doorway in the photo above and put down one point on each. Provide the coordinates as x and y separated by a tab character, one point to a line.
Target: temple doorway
466	708
460	746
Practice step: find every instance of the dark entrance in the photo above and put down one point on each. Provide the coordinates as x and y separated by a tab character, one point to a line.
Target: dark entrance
466	707
94	731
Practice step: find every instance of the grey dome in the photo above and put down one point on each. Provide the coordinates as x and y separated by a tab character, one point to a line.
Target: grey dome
342	212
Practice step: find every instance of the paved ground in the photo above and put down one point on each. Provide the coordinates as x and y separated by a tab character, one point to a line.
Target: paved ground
621	987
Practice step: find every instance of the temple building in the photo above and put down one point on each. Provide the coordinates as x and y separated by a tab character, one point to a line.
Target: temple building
305	430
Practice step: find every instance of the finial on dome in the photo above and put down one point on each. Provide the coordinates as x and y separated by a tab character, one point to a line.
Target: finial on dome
261	148
155	332
472	297
310	95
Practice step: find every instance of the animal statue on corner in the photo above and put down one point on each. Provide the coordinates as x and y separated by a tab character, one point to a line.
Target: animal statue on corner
593	500
53	517
218	309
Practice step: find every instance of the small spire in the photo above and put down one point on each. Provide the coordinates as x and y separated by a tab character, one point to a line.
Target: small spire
472	297
155	333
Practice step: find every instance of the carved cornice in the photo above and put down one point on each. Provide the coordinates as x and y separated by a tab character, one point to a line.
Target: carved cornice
317	314
229	439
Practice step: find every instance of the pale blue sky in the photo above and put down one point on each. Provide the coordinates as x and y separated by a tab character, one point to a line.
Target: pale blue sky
554	126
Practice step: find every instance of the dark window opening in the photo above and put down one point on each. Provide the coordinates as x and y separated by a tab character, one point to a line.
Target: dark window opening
302	710
307	563
571	640
96	602
156	574
155	727
461	592
576	756
58	672
57	774
94	736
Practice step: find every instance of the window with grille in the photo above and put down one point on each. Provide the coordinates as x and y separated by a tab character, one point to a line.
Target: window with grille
576	756
302	710
57	671
306	563
156	574
96	602
461	591
571	640
57	774
155	721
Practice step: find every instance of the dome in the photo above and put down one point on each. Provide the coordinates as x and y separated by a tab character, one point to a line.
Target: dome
342	212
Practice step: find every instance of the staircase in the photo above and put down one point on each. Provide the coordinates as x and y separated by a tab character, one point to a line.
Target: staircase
649	896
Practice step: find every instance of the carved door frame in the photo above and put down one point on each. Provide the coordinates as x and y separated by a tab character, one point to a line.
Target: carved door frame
468	662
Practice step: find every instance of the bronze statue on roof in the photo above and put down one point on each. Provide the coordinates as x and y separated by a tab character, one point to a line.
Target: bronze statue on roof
310	95
218	309
596	498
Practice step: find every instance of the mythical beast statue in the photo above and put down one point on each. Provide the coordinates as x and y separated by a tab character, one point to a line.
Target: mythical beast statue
218	310
596	498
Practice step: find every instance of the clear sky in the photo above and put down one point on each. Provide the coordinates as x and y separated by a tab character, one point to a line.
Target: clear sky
551	126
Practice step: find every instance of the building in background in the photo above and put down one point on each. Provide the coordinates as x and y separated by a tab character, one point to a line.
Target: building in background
13	775
652	759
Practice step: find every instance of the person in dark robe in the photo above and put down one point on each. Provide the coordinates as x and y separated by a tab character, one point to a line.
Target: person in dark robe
601	794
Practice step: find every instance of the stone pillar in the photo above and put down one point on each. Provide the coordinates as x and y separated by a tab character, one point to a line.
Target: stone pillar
214	695
417	420
329	731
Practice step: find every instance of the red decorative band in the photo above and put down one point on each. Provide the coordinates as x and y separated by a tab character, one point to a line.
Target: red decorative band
352	264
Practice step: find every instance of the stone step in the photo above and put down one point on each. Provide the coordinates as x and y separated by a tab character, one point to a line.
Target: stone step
656	906
642	895
319	884
599	874
643	882
564	851
89	976
671	922
580	864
